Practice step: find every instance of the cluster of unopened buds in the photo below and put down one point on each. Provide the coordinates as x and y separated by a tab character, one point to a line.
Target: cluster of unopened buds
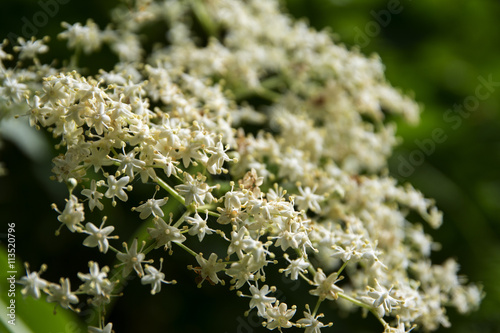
180	122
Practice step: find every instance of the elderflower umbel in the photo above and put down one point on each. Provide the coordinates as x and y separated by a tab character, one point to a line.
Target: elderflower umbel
301	124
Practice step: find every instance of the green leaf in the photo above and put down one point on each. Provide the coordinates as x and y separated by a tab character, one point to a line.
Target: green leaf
31	315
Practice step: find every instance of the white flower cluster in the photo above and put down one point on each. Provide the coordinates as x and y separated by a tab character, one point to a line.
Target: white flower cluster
310	183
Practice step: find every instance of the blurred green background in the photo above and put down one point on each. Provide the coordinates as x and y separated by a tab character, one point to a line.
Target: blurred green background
434	50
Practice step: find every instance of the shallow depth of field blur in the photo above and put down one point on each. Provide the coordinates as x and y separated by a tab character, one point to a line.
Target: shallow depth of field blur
436	49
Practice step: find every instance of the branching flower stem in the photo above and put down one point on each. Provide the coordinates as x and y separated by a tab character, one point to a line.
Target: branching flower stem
365	306
341	294
170	190
182	218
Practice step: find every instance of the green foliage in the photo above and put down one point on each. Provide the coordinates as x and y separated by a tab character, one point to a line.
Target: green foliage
33	315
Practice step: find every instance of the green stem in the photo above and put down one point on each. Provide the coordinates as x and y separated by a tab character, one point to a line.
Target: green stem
342	268
316	307
272	82
204	18
113	249
115	154
149	248
73	62
311	269
306	278
363	305
259	91
265	90
268	94
187	249
170	190
182	218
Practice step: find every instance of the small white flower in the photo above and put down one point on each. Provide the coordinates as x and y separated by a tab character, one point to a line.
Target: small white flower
279	316
129	165
94	196
399	329
199	226
165	234
98	236
29	49
3	54
382	296
307	199
32	282
168	163
260	298
155	277
116	188
191	150
237	243
96	282
310	322
344	254
296	266
210	267
99	119
241	271
105	329
88	37
326	287
152	206
72	214
219	156
62	294
233	200
192	190
132	259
